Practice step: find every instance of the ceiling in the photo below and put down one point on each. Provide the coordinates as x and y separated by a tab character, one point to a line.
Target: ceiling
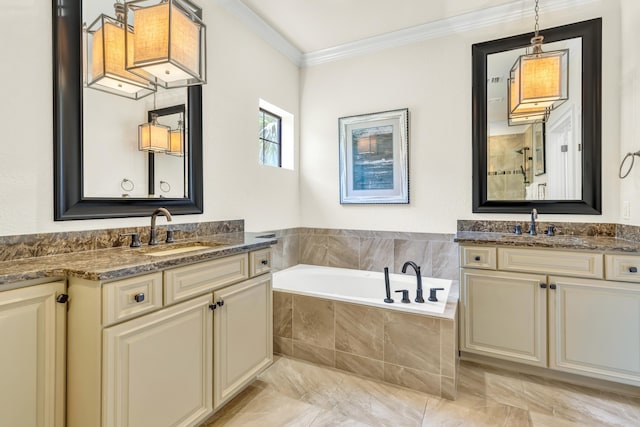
313	25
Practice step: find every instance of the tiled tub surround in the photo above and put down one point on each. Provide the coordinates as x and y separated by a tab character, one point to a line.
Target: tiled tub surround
412	350
436	254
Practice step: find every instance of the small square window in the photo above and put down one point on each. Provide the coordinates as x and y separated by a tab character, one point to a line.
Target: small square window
269	138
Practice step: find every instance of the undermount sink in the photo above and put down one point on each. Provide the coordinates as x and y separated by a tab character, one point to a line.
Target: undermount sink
178	249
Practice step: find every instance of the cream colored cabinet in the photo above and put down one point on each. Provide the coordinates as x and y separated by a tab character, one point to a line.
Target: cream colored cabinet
594	328
157	368
32	359
243	336
593	325
504	315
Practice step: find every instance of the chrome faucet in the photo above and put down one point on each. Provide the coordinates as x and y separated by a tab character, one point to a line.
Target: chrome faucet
419	297
153	238
532	226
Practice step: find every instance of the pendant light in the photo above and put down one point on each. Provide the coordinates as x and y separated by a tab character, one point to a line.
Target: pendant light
538	81
176	140
167	44
104	58
524	115
153	136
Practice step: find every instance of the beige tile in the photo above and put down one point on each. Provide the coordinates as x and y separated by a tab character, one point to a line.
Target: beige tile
313	321
313	249
315	354
493	384
376	254
412	378
283	346
297	378
360	365
286	253
359	330
412	341
343	252
543	420
282	314
448	389
332	418
448	348
378	404
445	260
418	251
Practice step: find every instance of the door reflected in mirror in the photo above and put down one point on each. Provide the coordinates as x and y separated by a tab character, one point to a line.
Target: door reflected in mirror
534	161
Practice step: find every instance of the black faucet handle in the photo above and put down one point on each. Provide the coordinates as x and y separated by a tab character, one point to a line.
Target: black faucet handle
135	239
432	294
405	296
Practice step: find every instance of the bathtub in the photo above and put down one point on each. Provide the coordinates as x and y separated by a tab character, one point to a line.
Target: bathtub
337	317
361	287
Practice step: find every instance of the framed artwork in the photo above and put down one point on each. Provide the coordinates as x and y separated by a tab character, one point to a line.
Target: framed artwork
374	158
539	165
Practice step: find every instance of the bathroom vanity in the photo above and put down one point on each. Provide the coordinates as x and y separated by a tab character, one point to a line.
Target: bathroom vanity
542	301
152	336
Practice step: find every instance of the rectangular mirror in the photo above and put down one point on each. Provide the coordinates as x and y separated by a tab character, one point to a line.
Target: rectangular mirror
552	166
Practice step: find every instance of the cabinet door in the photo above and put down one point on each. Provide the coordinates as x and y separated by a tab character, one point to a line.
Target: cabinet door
32	359
504	315
243	338
157	368
594	328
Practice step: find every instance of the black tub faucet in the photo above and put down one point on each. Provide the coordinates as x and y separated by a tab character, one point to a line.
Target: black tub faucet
387	285
419	297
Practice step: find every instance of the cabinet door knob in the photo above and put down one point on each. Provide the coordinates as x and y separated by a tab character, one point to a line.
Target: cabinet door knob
62	298
552	286
543	285
264	262
633	269
220	303
139	297
476	258
212	307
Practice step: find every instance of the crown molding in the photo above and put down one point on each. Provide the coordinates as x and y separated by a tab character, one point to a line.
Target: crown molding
514	10
263	30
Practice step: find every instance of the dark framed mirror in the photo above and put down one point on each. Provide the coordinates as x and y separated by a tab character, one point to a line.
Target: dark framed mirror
69	200
530	165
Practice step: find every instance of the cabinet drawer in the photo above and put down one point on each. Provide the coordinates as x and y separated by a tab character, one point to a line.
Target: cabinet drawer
260	262
478	257
564	263
131	297
624	268
185	282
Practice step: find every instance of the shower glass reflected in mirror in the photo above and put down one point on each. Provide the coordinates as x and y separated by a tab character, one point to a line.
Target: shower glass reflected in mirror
534	161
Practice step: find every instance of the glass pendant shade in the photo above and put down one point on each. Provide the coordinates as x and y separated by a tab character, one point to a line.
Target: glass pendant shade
168	43
523	114
153	136
105	57
176	141
539	81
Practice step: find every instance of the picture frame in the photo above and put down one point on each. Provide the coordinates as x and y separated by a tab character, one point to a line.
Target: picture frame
539	164
374	158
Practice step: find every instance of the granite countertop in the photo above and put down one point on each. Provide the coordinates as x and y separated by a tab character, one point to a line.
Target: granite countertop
115	263
592	243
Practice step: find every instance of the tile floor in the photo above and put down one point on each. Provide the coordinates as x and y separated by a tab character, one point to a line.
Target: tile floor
296	393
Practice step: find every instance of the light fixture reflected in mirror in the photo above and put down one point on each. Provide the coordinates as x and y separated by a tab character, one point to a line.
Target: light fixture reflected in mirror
104	61
167	42
153	136
176	140
538	82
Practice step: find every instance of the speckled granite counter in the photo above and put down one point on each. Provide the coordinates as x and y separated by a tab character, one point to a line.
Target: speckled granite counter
113	263
594	243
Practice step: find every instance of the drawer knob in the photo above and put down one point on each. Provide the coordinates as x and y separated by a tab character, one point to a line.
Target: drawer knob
139	297
543	285
633	269
264	262
476	258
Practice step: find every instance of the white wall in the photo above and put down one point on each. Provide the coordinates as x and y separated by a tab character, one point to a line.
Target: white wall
432	79
630	108
242	69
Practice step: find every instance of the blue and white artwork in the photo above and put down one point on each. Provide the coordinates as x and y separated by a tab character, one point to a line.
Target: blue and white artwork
373	158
